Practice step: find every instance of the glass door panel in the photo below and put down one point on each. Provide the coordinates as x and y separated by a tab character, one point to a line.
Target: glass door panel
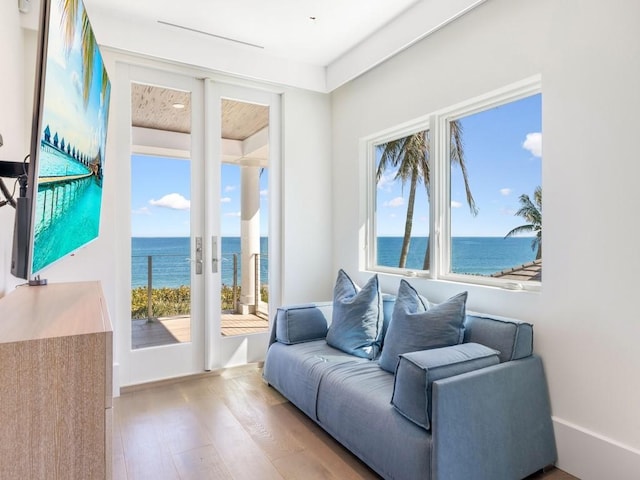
244	218
160	251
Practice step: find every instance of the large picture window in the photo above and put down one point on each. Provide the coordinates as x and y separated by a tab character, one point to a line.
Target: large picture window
472	174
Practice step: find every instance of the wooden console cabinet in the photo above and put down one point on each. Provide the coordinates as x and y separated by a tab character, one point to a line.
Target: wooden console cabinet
55	383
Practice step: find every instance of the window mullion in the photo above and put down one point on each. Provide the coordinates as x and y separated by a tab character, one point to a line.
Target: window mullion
440	192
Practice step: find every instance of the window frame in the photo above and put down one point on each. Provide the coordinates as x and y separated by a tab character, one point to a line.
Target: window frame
439	215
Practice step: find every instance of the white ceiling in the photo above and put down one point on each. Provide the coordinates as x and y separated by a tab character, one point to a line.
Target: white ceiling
281	28
269	40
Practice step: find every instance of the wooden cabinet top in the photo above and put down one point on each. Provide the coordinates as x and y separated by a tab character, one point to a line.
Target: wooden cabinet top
54	310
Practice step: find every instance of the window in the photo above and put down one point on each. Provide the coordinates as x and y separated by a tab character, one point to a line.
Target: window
475	179
402	181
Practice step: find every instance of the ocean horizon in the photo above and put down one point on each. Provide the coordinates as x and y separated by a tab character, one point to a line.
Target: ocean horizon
471	255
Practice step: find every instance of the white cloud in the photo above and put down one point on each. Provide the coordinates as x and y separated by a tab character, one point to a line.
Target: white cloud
232	214
533	143
264	193
174	201
455	204
141	211
505	192
510	212
229	188
394	202
225	200
386	180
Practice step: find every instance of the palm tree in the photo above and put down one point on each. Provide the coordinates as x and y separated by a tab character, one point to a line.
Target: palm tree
532	213
411	156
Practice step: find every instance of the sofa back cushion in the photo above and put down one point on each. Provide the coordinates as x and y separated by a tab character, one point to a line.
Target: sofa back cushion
512	338
418	325
356	323
302	323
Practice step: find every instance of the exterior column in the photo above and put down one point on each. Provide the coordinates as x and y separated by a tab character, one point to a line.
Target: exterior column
249	235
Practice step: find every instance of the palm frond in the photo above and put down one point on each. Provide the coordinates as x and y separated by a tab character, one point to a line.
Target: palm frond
68	20
456	149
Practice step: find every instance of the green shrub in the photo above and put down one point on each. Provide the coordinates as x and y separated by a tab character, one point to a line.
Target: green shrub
168	302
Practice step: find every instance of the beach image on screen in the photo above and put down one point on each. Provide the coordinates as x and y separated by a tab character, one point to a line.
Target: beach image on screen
72	138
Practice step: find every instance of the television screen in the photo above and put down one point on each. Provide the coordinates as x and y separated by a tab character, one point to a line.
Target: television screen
69	136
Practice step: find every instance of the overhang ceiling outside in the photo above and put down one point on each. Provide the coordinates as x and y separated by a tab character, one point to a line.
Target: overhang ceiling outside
153	107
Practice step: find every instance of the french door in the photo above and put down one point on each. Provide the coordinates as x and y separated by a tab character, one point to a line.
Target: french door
203	185
162	334
242	167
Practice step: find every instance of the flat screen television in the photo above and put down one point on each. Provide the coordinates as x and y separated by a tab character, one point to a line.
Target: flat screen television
61	209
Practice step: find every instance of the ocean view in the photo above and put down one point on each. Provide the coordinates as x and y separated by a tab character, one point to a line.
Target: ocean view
171	265
473	255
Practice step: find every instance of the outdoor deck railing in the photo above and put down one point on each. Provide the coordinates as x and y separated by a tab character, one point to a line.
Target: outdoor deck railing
172	266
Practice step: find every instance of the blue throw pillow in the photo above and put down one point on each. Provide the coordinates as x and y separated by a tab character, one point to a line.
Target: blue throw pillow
418	325
356	324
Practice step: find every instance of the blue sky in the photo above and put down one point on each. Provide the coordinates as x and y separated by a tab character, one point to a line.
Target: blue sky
64	110
503	152
161	199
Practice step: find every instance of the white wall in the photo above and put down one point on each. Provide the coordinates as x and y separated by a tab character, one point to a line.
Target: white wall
306	198
586	322
12	120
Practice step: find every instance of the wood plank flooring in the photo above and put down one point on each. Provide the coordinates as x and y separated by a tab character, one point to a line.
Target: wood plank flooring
177	329
228	426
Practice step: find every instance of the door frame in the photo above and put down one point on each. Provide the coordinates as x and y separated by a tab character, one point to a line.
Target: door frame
222	352
180	359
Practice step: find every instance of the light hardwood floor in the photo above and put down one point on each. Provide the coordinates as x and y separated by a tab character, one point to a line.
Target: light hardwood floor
177	329
227	426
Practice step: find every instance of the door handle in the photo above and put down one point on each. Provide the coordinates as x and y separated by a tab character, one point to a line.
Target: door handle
199	256
214	254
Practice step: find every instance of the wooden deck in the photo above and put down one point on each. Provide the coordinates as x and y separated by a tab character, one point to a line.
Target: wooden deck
169	330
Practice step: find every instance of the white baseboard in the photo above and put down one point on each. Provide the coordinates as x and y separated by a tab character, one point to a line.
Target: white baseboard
590	456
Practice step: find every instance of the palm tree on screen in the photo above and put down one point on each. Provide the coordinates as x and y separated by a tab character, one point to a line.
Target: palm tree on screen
70	10
411	156
531	211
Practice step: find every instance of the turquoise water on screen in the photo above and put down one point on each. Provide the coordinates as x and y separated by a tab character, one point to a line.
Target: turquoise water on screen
66	223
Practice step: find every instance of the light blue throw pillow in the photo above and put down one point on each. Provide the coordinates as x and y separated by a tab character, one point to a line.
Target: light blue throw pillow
418	325
356	324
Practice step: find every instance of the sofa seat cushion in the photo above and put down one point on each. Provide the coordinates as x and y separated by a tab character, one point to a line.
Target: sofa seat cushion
418	370
296	370
354	407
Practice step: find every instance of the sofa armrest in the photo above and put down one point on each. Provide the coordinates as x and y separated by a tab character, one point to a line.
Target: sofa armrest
301	323
493	423
416	372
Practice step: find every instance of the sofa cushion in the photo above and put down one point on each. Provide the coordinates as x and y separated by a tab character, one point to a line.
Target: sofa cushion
302	323
418	370
513	338
296	370
356	324
388	302
417	325
353	406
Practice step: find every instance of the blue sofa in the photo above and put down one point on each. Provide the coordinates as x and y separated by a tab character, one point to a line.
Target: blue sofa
477	410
